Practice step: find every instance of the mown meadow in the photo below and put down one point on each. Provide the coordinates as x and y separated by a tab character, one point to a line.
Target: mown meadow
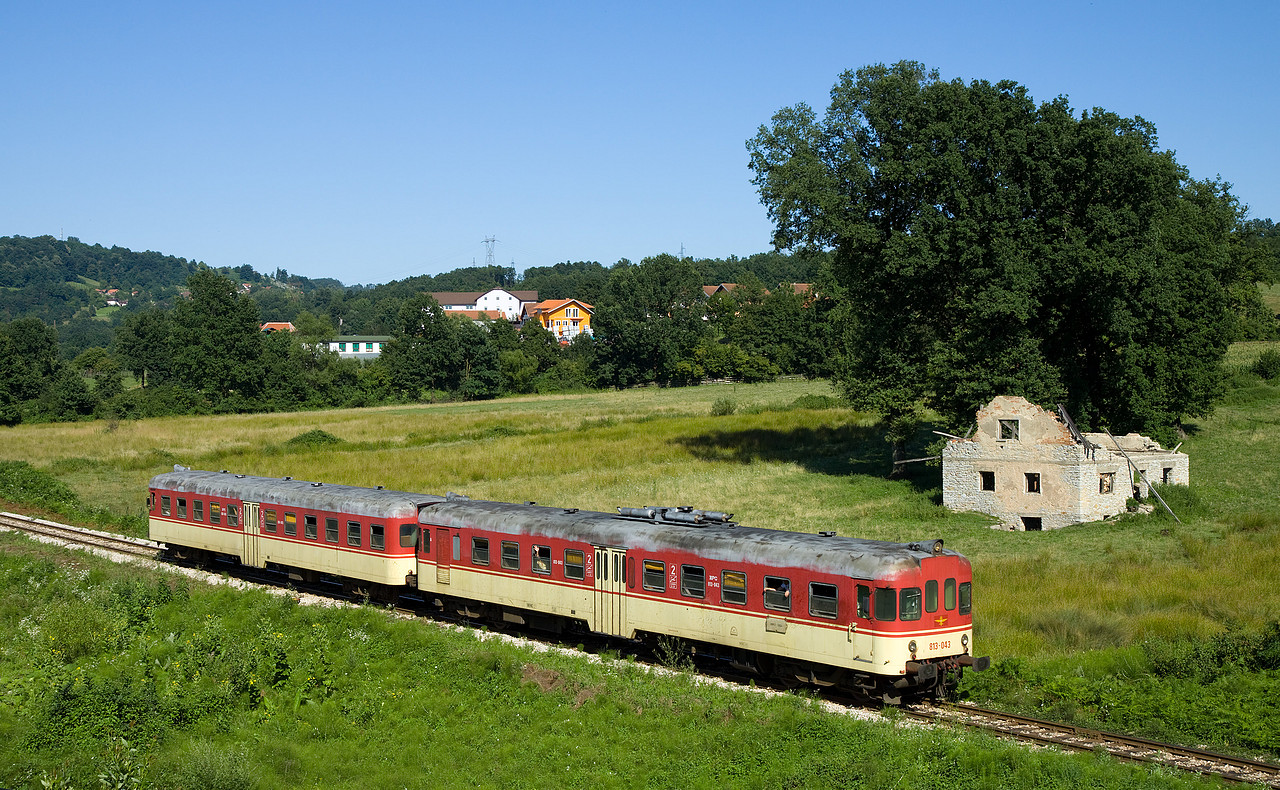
1138	623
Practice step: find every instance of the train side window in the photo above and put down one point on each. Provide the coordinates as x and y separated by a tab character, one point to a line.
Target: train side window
457	547
824	600
575	565
182	508
377	537
425	548
330	530
408	535
693	581
931	595
291	524
479	551
864	601
733	587
269	520
164	505
353	533
655	576
197	509
309	527
909	604
886	604
215	513
510	555
233	516
949	595
777	593
966	597
540	559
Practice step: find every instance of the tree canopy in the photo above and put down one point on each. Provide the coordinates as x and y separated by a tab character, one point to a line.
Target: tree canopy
987	244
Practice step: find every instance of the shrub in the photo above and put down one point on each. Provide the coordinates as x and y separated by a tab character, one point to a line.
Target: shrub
206	766
1268	365
723	407
313	439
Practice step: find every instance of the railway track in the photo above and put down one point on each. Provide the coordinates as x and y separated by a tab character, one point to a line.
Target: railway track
1084	739
1021	728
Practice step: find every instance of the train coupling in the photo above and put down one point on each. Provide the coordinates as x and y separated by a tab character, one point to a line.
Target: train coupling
921	670
979	663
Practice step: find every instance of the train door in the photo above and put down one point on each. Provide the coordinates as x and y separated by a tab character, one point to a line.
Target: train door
610	592
251	554
444	551
860	626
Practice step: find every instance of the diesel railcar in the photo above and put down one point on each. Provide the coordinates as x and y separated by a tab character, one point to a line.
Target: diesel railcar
886	620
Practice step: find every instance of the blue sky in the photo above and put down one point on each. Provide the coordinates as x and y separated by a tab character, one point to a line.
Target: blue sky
380	140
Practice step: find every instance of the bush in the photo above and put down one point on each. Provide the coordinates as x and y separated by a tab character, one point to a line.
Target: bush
1268	365
313	439
723	407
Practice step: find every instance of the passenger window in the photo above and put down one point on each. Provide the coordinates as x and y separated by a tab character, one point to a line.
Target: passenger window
886	603
330	530
777	593
966	597
824	600
931	595
197	510
693	581
425	546
164	505
541	559
864	601
909	604
309	527
408	535
949	595
291	524
510	555
377	537
575	566
457	547
733	587
215	513
182	508
479	551
655	576
269	520
233	516
353	533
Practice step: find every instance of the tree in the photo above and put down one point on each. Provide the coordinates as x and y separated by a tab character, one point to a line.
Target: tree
217	339
10	410
144	343
988	245
424	354
35	350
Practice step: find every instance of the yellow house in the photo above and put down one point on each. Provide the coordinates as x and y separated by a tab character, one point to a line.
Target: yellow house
564	318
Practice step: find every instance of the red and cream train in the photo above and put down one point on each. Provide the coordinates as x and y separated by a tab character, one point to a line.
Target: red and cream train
886	620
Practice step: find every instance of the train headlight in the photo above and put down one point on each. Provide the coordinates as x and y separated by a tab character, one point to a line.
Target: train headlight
964	640
912	646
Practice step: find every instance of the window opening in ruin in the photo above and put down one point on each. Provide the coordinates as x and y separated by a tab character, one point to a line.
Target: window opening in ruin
1008	429
1168	475
1106	482
987	481
1031	523
1033	482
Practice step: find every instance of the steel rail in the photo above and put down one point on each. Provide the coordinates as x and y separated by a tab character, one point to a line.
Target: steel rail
121	544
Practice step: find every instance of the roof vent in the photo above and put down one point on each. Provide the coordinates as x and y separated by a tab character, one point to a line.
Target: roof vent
530	502
683	516
933	547
452	497
224	471
288	478
827	534
570	510
638	512
316	485
380	488
240	476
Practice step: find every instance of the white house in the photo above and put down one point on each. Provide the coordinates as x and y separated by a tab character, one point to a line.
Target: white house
358	346
497	300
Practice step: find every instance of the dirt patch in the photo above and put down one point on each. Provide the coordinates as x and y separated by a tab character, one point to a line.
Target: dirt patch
543	678
585	695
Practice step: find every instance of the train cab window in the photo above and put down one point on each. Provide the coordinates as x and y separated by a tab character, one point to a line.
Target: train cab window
909	603
215	513
197	509
353	533
377	537
164	505
575	565
777	593
864	601
966	597
510	555
733	587
233	516
309	527
479	551
331	530
540	559
269	520
886	604
182	508
693	581
931	595
949	595
291	524
655	576
408	535
824	600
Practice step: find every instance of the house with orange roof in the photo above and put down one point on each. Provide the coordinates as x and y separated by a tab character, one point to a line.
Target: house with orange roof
279	326
564	318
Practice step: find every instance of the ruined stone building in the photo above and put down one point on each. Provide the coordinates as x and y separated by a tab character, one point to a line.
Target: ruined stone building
1032	470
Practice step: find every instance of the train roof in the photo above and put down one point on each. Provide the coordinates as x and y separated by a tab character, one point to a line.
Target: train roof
304	494
724	541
